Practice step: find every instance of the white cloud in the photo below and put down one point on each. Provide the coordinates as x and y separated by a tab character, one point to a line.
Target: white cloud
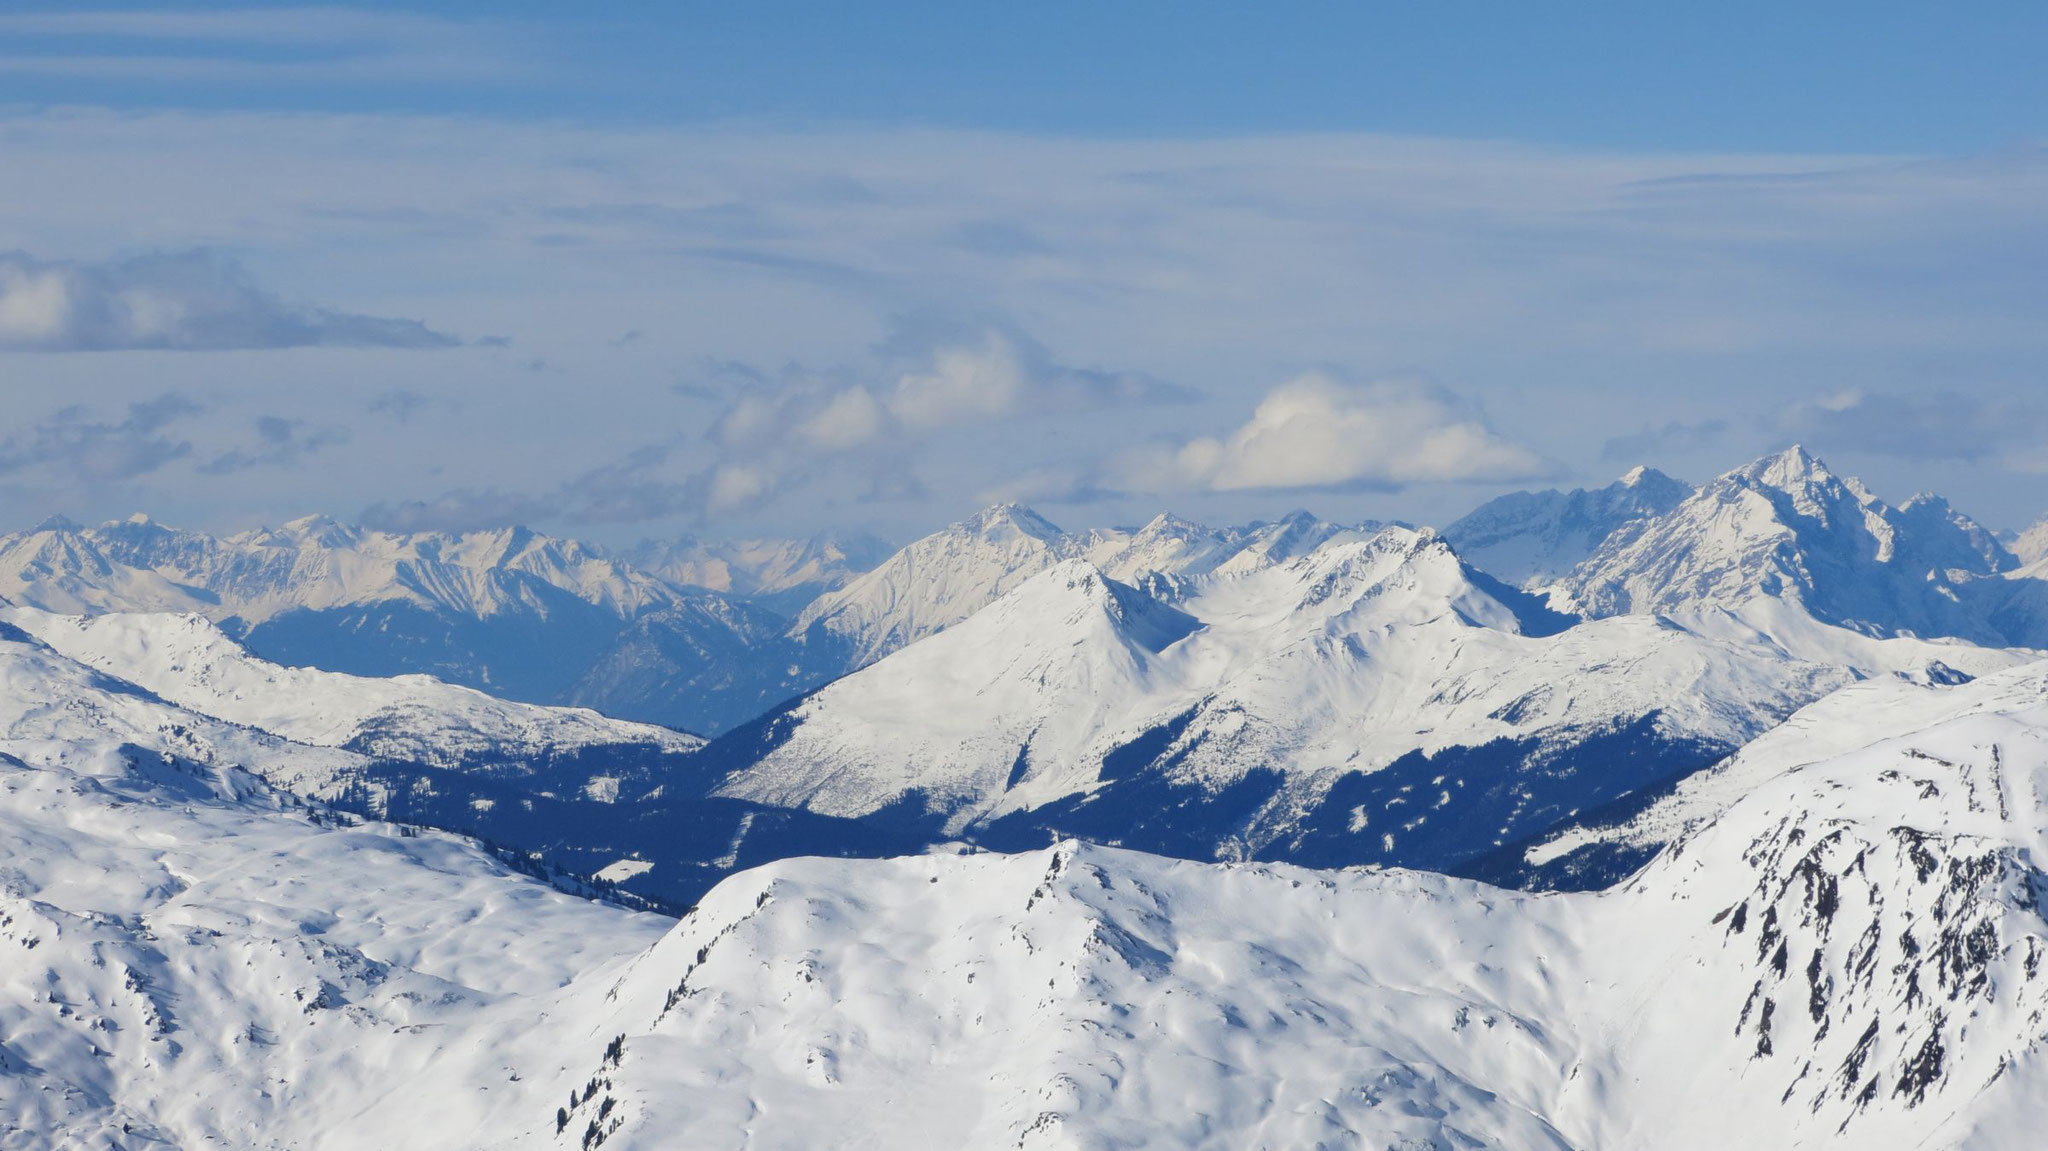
938	378
188	301
1319	432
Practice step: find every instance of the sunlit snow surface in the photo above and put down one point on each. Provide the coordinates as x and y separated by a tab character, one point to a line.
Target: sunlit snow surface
187	660
1848	955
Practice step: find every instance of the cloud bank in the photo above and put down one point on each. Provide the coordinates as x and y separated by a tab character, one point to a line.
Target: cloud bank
187	301
861	431
1319	432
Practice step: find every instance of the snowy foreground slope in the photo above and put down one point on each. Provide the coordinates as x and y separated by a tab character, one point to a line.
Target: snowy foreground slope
1848	956
190	957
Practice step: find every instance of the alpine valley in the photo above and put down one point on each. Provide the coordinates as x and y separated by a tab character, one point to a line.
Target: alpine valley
1647	816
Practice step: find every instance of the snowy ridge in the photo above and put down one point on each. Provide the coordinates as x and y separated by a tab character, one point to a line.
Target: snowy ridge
946	577
193	958
513	612
318	563
1787	528
937	581
1886	708
57	713
188	661
1843	947
773	569
1531	538
1263	718
1849	956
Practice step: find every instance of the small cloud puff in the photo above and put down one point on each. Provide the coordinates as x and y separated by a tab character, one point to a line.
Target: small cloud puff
1318	431
189	301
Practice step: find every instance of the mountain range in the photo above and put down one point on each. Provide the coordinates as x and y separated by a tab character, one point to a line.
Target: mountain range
1846	954
1693	817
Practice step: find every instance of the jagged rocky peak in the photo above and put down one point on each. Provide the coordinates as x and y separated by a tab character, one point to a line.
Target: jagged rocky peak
1787	528
1531	538
58	524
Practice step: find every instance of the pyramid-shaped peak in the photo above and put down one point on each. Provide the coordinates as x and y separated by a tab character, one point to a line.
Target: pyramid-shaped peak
1006	518
1794	467
1168	522
1645	477
57	523
323	530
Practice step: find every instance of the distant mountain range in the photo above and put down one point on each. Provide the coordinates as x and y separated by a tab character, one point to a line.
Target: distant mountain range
519	614
1291	689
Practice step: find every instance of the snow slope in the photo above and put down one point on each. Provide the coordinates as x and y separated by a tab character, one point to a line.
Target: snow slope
1786	528
1848	956
187	660
782	573
193	958
1531	538
946	577
1369	701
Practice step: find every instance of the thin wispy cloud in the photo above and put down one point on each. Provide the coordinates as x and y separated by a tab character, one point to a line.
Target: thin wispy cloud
186	301
296	46
1667	439
278	443
1935	425
78	445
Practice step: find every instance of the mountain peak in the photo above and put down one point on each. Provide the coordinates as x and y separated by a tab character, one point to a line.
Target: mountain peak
1794	467
1011	519
57	523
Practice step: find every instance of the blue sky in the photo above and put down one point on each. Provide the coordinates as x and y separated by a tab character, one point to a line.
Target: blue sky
775	267
1815	76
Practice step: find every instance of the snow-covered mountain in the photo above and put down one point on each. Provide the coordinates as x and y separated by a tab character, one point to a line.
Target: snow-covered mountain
1368	701
1531	538
782	574
519	614
187	660
1844	950
1849	955
1886	708
2029	545
195	958
1786	528
942	579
